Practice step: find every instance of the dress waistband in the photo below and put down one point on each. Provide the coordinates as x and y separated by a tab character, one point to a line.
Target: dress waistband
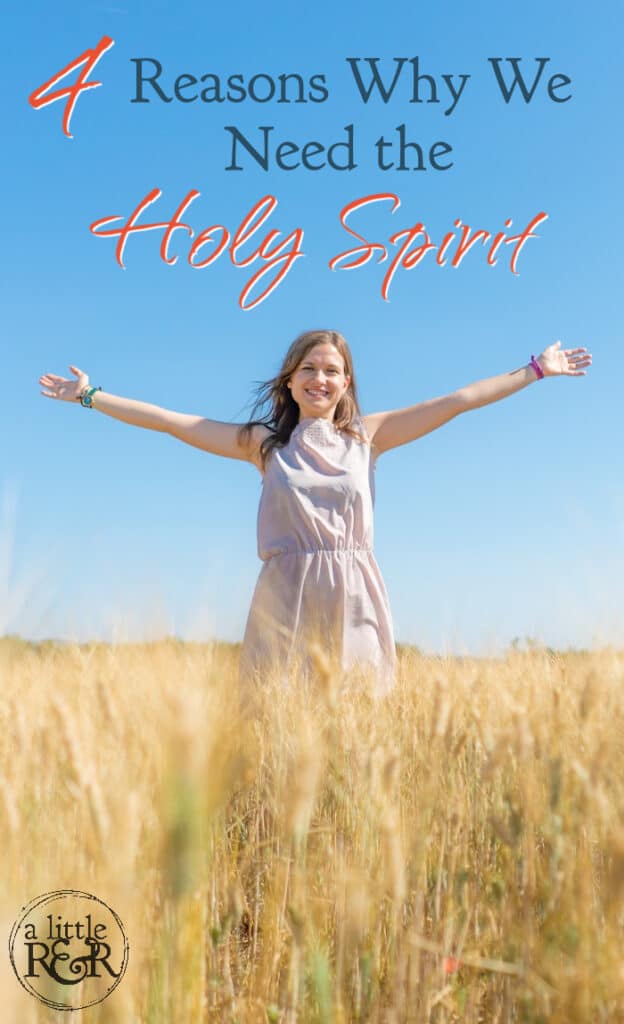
319	551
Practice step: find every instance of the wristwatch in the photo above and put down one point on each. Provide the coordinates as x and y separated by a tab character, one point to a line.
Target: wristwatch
86	397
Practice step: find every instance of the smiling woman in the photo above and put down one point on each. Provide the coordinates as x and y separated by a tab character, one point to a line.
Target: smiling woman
316	452
319	381
320	580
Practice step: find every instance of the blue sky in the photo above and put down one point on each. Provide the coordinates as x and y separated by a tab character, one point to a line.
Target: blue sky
506	522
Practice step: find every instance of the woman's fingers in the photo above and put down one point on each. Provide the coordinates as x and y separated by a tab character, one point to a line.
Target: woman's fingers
54	386
63	380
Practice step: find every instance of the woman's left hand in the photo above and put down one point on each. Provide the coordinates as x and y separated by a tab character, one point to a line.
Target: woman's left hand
555	360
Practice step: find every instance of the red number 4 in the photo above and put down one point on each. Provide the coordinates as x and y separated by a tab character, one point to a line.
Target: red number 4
87	60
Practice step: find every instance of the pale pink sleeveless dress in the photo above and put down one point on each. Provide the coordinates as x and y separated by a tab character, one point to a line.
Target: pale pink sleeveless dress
315	537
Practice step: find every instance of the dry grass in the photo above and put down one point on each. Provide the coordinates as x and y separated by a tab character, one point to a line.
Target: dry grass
454	852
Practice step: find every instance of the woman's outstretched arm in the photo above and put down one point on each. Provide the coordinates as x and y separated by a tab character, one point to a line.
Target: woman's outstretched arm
210	435
399	426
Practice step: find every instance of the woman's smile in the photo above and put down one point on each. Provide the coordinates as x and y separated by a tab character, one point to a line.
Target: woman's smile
319	379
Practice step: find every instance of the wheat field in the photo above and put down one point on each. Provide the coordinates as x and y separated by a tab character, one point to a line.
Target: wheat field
452	852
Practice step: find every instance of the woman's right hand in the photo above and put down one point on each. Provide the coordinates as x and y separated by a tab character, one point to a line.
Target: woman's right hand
60	387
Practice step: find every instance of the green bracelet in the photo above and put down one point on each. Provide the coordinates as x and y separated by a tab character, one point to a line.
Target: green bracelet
86	397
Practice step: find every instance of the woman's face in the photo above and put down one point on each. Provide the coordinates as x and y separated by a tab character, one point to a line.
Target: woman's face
319	382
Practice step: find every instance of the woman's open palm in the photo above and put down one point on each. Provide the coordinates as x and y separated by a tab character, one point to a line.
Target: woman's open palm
555	360
66	389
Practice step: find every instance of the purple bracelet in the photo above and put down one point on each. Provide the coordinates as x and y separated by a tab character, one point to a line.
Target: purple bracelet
536	366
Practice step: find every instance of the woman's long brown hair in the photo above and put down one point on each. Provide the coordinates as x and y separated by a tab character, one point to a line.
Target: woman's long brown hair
283	415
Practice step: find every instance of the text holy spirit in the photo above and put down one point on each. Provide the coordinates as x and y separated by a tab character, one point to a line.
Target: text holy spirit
270	254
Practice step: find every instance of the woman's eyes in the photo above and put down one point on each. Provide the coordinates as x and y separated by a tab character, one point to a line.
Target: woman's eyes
331	369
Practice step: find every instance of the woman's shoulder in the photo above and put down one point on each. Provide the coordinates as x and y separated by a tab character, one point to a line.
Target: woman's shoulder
258	433
368	426
361	423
